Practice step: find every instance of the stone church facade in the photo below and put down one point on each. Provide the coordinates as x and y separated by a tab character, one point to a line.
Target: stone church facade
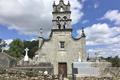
61	49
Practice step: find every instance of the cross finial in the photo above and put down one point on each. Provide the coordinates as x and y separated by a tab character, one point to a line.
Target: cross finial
82	29
83	34
41	32
54	3
69	3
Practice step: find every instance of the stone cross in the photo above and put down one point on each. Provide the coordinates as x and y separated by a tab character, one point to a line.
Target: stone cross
26	58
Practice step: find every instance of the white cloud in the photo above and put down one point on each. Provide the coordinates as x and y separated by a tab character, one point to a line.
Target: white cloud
113	15
110	50
27	16
103	39
102	34
8	41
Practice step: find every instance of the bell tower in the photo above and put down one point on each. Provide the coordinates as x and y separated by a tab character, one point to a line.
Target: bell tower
61	16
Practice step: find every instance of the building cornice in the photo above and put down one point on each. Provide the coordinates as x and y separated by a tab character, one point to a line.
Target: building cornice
57	12
63	20
61	30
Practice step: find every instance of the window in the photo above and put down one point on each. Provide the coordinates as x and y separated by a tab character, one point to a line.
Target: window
61	9
62	44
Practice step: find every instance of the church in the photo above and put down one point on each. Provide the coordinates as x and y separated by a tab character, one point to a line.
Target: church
61	49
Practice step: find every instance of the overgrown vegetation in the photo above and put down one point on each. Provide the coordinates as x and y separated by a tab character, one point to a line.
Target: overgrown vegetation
114	60
17	48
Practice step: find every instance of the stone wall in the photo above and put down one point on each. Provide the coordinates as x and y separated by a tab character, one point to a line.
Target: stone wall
6	61
12	74
23	75
113	71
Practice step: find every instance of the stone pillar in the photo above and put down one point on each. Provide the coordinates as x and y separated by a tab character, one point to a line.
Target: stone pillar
83	49
80	57
83	43
40	42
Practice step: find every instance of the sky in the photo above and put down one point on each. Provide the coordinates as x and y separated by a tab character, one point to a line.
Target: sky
100	18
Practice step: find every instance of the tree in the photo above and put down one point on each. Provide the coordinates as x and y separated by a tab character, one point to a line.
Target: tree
33	47
114	60
16	48
2	44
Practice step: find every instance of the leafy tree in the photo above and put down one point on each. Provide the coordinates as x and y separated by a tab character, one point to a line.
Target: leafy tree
114	60
16	48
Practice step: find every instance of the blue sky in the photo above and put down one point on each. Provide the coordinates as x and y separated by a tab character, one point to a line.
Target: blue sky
100	19
93	14
6	33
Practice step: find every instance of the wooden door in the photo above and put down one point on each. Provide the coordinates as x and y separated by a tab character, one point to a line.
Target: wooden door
62	69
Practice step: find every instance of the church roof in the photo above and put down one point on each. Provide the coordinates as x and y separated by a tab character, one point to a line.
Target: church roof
61	30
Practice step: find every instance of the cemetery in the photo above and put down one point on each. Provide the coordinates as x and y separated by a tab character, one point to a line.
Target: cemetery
61	57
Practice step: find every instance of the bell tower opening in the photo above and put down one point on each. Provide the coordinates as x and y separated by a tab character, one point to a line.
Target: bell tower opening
61	9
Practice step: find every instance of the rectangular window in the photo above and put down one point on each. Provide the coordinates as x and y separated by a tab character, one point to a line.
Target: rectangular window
62	44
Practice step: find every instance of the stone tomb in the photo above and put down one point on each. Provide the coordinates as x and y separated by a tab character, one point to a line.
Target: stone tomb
90	69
